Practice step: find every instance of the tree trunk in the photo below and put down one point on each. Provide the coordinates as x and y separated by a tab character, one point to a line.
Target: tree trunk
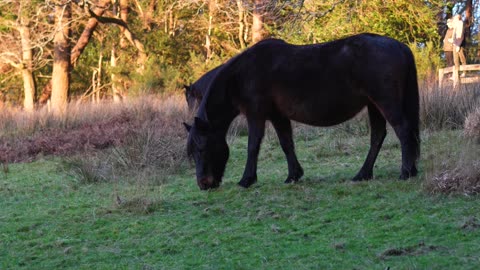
241	23
116	91
123	14
147	20
61	59
468	20
98	9
97	80
212	5
142	56
27	69
257	22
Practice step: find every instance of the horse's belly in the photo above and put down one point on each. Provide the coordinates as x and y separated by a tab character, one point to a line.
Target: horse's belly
324	112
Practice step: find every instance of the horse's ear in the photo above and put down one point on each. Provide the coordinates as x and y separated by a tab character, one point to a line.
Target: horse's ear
187	126
201	124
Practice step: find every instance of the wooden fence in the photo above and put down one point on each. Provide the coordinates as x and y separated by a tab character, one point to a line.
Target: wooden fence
469	78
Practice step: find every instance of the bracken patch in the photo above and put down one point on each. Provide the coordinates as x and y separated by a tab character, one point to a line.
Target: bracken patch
88	137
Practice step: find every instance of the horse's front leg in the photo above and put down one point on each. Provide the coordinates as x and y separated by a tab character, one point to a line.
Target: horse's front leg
283	127
256	130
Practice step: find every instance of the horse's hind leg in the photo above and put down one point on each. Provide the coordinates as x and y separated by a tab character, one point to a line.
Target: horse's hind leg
256	130
378	132
405	131
283	128
408	142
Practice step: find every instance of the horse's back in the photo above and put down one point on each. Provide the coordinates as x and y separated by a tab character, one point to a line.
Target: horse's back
319	84
354	60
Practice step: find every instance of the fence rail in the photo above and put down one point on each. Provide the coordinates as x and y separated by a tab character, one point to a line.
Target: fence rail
455	74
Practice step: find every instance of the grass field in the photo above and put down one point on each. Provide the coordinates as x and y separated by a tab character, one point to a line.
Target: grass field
50	220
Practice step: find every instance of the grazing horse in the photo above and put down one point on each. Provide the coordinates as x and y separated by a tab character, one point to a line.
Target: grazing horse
321	85
195	92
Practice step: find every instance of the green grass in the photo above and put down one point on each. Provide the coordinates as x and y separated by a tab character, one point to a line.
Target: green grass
50	221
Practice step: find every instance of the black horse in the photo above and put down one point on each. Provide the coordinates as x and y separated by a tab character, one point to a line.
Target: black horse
195	92
321	85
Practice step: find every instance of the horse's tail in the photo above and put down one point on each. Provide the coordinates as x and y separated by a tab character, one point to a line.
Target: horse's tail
411	103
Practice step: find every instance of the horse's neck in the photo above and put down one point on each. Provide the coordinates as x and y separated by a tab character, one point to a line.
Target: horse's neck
218	109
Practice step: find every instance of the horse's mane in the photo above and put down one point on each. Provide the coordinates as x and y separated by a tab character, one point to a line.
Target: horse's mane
216	92
215	83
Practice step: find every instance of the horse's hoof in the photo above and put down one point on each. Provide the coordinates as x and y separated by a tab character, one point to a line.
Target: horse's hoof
408	173
247	182
297	175
361	177
291	180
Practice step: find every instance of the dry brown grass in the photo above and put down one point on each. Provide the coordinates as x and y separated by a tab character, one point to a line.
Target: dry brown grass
471	128
444	108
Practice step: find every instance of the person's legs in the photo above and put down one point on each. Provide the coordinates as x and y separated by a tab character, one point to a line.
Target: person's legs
449	58
456	63
461	55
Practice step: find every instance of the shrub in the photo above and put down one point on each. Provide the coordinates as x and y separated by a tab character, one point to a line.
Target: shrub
157	146
87	169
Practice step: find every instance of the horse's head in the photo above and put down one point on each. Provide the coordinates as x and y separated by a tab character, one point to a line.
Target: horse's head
209	151
190	96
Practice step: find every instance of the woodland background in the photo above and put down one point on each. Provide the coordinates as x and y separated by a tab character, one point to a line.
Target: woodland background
56	51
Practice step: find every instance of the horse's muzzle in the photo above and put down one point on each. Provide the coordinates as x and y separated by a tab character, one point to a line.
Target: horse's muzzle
206	183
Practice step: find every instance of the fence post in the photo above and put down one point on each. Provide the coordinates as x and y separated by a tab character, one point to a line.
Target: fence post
440	78
455	77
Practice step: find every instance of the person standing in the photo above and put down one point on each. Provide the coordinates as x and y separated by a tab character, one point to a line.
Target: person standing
447	45
456	40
